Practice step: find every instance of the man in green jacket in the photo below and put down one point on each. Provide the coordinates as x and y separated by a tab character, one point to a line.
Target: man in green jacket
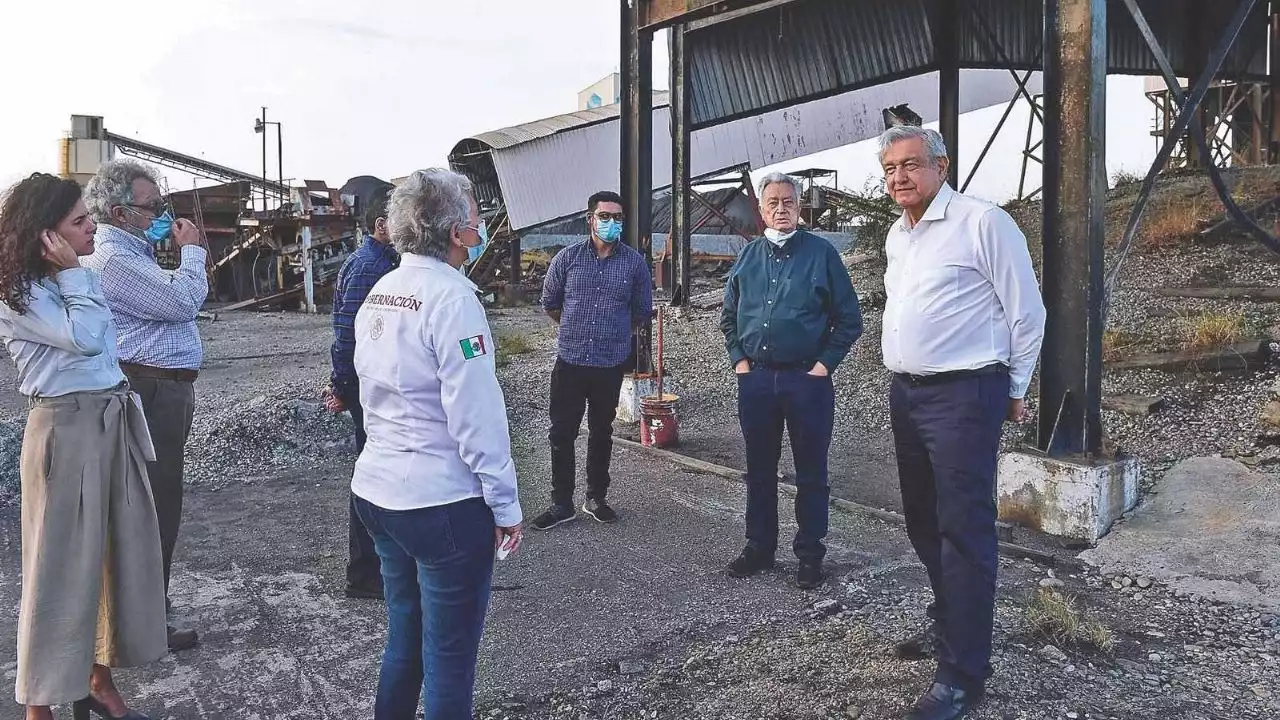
790	317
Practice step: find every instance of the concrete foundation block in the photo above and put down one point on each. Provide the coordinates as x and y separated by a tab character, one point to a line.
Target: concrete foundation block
634	387
1063	498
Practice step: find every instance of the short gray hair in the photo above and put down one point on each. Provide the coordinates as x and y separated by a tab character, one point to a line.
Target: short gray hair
934	145
777	178
425	209
112	186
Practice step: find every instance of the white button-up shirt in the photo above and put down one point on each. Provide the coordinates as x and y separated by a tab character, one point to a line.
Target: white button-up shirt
962	293
65	342
433	410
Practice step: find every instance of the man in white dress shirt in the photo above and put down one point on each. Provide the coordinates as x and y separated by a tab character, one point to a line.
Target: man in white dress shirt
962	331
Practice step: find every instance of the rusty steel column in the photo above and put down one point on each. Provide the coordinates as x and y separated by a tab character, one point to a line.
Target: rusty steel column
1197	43
680	239
637	150
1273	71
1075	187
946	50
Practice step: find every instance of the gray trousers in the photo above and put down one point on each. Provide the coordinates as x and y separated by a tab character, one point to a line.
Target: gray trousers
169	406
92	590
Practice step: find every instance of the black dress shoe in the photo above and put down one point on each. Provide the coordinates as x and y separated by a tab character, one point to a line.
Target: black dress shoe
365	592
944	702
750	562
180	640
809	576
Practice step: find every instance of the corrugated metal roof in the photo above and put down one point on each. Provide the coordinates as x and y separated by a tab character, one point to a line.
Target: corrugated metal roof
526	132
816	48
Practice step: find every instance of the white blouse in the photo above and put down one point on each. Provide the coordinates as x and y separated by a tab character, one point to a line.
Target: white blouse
65	342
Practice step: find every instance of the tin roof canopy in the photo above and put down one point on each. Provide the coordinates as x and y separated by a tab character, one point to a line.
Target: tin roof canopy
751	57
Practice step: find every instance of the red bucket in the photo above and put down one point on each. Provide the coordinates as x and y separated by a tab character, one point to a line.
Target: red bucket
659	426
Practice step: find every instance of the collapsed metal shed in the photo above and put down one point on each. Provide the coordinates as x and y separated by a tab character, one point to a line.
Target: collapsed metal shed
543	171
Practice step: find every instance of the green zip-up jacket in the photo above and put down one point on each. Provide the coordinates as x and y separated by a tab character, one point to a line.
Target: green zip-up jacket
790	306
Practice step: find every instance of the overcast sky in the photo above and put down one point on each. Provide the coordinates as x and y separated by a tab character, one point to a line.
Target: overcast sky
380	88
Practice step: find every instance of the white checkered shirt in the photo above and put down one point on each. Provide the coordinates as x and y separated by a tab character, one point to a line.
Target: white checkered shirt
155	309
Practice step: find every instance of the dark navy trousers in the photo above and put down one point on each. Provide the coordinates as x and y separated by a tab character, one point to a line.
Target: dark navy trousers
362	559
768	399
947	438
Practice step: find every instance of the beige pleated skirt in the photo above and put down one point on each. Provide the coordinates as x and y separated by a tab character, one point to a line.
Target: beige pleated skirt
92	573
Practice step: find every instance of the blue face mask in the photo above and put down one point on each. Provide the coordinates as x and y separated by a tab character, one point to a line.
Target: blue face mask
475	251
159	229
609	231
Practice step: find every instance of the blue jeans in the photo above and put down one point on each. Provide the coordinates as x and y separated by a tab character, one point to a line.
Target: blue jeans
947	439
768	399
437	568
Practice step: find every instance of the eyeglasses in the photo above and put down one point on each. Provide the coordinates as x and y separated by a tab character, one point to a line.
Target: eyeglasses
607	216
156	209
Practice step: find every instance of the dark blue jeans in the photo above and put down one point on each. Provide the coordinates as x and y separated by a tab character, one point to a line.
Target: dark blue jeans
437	569
947	439
768	399
362	559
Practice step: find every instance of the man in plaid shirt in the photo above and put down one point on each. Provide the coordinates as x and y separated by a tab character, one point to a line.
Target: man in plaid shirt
363	268
600	291
155	313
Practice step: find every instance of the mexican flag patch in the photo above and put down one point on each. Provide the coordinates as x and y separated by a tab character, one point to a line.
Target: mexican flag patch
473	347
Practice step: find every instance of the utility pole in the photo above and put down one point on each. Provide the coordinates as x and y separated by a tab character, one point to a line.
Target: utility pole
260	126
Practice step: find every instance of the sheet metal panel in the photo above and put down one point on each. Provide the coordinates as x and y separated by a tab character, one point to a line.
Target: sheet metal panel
551	177
817	48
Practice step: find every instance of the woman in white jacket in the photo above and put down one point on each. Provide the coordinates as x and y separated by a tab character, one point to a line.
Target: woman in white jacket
92	574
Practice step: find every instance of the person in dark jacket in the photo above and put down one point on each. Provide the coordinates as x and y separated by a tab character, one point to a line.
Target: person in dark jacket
374	258
790	317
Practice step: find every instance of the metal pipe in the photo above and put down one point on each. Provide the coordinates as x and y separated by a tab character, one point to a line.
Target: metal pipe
280	160
660	351
264	158
1075	188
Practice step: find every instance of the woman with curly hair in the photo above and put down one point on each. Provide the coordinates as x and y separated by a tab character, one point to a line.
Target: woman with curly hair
92	574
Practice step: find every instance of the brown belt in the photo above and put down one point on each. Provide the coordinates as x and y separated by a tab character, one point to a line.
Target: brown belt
146	371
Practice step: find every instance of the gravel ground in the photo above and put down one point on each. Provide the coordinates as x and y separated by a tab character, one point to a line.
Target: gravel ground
1174	657
679	639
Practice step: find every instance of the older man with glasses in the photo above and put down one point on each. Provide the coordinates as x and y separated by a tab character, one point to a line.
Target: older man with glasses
790	317
155	312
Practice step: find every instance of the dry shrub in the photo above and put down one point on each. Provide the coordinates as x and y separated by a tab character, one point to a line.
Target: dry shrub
1124	177
1058	619
1212	330
1170	221
509	346
1117	344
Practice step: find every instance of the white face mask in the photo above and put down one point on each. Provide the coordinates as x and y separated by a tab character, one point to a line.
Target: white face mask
777	237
